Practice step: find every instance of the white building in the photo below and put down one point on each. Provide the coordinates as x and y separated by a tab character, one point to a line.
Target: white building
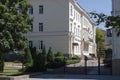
115	40
62	25
108	38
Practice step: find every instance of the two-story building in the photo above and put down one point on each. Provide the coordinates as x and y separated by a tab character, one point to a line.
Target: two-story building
62	25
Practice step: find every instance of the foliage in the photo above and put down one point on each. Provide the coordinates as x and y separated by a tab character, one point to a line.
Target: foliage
59	54
55	65
28	61
43	58
50	56
100	36
75	57
72	61
39	60
100	41
13	25
59	59
36	60
110	21
108	51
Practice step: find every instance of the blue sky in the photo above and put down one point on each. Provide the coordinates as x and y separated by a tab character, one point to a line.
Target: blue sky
99	6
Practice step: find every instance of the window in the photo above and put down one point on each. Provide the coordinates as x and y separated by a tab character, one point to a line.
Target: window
41	9
31	27
71	10
30	11
30	44
71	27
74	14
40	27
41	44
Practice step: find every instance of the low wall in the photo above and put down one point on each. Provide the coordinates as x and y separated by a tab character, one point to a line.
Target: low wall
23	77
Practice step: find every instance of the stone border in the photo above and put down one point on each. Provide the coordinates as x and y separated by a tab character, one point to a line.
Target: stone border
22	77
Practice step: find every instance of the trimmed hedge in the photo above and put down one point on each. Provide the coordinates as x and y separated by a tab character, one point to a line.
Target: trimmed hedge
55	64
72	61
75	57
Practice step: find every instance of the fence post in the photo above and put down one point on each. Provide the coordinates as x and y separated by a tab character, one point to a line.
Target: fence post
85	64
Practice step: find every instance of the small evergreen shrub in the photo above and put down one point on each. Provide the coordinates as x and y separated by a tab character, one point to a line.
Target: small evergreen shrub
59	54
75	57
50	56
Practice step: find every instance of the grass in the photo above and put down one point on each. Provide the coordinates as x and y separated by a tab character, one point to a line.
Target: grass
8	71
72	61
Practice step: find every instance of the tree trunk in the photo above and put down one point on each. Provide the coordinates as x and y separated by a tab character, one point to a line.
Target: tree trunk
1	61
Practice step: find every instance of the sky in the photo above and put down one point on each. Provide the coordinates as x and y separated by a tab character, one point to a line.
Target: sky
100	6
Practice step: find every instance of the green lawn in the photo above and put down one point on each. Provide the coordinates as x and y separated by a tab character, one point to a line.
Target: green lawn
72	61
10	71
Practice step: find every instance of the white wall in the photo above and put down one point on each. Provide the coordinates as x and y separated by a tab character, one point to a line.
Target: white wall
57	30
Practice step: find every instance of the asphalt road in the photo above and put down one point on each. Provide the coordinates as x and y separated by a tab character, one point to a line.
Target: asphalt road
73	77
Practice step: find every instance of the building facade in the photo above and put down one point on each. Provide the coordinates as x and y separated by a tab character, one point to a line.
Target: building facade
108	38
115	40
62	25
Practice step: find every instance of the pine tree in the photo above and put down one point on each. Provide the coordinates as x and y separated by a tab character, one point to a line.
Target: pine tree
43	59
50	55
28	58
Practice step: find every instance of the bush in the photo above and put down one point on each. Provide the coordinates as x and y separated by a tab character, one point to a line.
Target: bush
43	59
72	61
75	57
50	56
59	59
28	57
28	61
39	60
59	54
55	65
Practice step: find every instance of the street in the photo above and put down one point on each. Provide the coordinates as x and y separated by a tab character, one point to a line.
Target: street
73	77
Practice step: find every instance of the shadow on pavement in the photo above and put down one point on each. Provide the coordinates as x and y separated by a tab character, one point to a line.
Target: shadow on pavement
73	77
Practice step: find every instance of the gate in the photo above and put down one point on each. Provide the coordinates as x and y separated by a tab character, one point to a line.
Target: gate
86	66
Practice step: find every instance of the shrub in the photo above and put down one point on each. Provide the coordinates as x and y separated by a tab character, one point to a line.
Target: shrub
75	57
39	60
43	59
55	64
72	61
59	54
50	56
59	59
28	57
28	61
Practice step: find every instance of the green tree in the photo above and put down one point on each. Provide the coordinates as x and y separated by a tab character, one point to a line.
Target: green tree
110	21
100	40
50	55
14	21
